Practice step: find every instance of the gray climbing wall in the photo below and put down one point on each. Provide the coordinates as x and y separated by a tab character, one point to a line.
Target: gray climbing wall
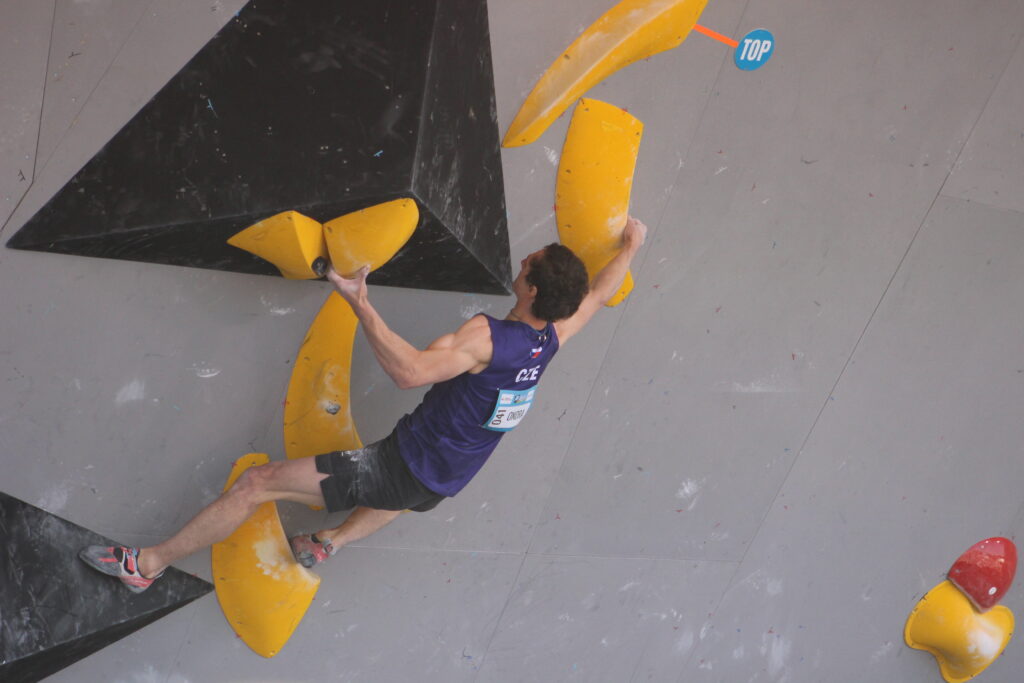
751	471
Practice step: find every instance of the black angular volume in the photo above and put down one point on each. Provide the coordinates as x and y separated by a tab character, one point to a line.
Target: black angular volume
321	106
54	610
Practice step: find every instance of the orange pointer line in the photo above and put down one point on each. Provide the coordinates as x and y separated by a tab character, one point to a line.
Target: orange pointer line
717	36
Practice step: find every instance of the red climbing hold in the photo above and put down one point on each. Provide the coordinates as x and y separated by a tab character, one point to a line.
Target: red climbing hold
985	572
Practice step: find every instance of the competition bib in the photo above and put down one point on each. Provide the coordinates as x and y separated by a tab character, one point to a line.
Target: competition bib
510	409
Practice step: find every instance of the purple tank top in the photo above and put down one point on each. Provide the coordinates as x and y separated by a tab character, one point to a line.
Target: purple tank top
449	436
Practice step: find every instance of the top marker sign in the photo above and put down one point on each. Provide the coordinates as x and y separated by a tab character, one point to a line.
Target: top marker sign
754	50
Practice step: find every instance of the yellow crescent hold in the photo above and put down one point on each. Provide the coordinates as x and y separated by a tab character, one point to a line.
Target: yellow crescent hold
262	590
630	31
595	178
317	411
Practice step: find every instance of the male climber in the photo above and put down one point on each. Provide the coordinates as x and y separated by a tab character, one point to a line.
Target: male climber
484	377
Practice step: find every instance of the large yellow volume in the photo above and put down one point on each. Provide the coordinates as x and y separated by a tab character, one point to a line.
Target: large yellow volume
370	236
630	31
262	590
317	414
291	241
595	178
963	641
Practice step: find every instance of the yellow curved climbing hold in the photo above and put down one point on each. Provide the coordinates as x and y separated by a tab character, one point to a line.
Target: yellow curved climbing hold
262	590
630	31
292	242
963	640
595	178
317	415
370	236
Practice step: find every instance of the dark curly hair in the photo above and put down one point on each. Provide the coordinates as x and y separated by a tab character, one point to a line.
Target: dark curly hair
561	281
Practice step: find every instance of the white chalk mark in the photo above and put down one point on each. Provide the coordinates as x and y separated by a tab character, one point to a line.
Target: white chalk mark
759	581
773	384
275	310
204	371
133	391
269	561
55	498
780	648
472	306
882	652
984	642
689	489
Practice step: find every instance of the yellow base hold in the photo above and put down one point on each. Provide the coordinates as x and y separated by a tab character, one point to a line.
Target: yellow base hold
292	242
317	414
370	236
630	31
963	641
595	178
262	590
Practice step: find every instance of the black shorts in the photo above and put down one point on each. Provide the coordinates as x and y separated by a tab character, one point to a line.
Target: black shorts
376	477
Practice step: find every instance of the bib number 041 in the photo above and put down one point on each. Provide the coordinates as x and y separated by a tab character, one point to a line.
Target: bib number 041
510	409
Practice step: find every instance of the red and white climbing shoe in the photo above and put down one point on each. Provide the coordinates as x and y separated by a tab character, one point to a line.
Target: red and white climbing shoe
118	561
310	550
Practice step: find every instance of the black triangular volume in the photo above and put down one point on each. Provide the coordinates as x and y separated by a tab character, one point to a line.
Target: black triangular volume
318	106
56	610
